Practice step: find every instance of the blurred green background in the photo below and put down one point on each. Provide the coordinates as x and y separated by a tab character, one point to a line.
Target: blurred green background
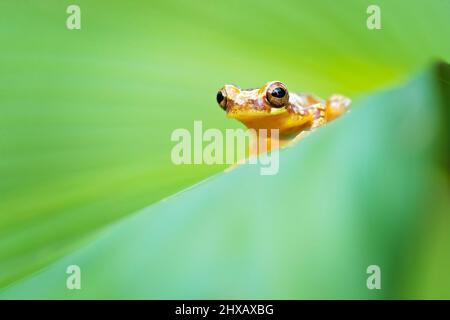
86	118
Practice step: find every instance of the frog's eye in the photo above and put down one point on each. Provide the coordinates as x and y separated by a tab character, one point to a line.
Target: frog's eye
277	94
222	99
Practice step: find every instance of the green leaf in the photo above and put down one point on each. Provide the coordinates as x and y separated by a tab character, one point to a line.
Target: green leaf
367	189
86	115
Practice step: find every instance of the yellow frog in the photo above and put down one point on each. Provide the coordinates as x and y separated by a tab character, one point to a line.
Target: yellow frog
274	107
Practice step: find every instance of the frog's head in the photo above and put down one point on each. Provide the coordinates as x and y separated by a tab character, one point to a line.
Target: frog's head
269	107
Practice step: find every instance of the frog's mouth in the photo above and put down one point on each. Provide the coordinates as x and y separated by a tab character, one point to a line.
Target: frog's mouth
274	118
249	114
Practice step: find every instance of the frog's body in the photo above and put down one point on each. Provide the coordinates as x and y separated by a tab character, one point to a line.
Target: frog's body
273	107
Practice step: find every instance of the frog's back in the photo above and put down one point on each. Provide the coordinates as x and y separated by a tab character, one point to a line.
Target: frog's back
305	99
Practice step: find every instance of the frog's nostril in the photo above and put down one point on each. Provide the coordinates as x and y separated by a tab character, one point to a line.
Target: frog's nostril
278	92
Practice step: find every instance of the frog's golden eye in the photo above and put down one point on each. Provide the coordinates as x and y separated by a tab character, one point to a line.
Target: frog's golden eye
277	95
222	99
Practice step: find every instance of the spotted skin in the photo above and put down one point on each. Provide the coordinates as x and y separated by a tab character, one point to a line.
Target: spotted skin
273	107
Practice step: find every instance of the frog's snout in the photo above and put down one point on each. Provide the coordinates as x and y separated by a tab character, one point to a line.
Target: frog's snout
225	96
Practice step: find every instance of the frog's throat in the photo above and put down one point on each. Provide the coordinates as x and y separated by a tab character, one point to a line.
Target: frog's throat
288	125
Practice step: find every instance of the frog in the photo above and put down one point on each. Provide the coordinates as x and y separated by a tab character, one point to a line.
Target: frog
272	106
